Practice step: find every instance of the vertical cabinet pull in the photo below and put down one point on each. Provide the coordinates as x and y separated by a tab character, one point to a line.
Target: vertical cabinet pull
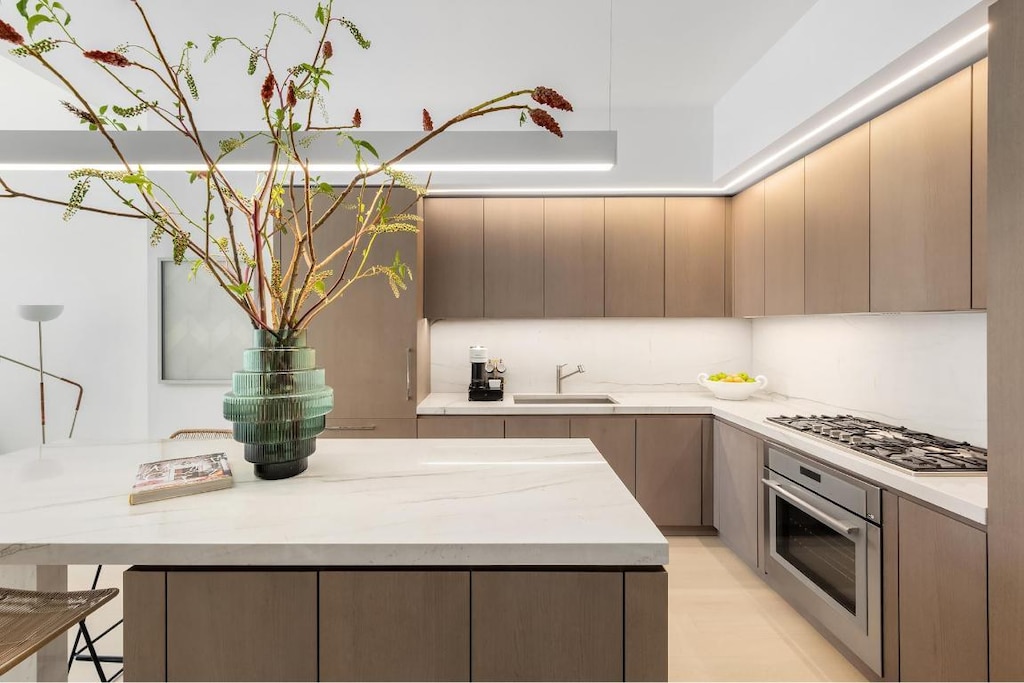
408	374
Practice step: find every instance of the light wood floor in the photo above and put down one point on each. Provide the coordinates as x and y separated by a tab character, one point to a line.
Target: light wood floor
725	624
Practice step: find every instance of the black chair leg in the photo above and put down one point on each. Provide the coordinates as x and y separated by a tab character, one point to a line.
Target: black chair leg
92	651
90	644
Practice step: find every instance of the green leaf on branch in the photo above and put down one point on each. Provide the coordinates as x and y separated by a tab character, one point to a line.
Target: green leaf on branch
239	290
22	8
35	20
321	12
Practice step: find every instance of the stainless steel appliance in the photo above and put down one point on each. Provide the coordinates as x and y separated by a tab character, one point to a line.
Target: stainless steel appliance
911	451
824	549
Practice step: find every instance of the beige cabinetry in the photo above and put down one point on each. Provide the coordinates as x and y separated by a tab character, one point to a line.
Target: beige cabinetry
369	428
537	427
615	438
837	225
979	185
668	469
921	201
748	252
573	257
738	461
453	258
943	610
634	256
784	241
695	256
513	258
460	427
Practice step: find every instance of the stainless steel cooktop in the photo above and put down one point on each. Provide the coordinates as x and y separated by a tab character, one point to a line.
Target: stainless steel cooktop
915	452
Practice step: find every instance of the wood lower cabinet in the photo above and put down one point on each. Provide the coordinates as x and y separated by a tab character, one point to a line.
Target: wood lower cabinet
531	427
634	256
837	200
278	607
573	257
943	621
453	258
748	252
784	241
737	473
615	438
547	626
513	258
460	427
695	256
668	469
921	201
394	625
979	185
404	428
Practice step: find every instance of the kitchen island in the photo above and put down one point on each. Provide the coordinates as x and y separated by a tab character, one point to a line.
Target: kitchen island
385	560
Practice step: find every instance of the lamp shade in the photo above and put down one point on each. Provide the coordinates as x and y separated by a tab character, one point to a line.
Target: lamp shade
40	313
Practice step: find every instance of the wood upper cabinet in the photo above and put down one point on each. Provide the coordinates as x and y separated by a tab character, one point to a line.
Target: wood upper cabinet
573	257
748	252
695	256
668	469
784	241
836	225
453	258
513	258
979	185
634	256
737	474
943	599
615	438
921	201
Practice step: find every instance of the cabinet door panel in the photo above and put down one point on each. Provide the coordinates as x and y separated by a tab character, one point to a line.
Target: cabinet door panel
370	429
979	186
837	213
784	241
668	469
536	427
513	258
695	256
737	482
943	597
748	252
634	256
453	258
460	427
921	201
615	438
394	626
573	257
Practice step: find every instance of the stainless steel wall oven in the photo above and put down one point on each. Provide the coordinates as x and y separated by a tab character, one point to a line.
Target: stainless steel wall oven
823	541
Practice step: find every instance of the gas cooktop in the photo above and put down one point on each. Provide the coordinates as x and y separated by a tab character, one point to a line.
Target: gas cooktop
916	452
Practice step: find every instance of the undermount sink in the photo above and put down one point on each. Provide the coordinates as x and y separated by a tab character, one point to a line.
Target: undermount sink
563	399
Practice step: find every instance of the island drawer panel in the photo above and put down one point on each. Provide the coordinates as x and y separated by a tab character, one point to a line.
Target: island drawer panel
461	427
394	625
646	637
205	614
547	626
145	625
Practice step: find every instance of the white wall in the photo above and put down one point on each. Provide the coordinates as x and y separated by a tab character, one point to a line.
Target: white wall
619	354
924	371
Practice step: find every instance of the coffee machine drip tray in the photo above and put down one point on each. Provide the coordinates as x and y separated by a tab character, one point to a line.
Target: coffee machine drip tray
485	394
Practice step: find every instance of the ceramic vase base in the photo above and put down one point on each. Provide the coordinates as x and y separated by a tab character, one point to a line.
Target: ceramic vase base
281	470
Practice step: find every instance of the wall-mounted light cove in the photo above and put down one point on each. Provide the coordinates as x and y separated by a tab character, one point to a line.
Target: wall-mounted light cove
734	184
455	151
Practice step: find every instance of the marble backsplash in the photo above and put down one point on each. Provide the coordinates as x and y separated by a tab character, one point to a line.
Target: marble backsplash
619	354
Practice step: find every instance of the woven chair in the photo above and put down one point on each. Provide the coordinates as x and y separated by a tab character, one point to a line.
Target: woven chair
200	434
31	619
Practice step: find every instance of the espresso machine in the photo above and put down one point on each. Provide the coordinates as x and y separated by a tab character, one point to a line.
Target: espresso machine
484	384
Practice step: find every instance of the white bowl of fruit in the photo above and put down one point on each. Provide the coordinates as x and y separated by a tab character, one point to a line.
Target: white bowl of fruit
732	386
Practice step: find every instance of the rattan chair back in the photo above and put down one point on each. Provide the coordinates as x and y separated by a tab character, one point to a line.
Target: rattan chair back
200	434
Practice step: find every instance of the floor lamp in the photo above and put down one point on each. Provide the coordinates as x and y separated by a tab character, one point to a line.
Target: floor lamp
40	314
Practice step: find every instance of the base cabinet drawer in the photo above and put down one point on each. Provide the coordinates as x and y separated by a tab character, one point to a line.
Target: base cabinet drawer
356	428
468	427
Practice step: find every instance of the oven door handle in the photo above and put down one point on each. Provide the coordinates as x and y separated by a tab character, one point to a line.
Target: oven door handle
830	521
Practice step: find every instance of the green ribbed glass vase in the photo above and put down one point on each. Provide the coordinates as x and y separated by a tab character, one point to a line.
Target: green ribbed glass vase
277	403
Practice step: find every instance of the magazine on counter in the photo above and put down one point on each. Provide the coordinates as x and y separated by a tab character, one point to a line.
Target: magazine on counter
180	477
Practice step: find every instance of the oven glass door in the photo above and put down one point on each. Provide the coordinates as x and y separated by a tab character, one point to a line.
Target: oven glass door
821	544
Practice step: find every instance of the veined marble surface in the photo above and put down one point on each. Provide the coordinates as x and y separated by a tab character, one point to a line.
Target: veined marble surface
964	495
372	502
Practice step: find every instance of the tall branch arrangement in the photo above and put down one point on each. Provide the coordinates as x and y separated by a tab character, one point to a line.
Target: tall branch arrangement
232	237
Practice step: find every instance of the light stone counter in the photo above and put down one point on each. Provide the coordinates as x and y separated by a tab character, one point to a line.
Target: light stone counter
550	502
964	495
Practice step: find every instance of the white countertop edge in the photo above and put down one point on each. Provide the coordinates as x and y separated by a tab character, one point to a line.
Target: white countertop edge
966	496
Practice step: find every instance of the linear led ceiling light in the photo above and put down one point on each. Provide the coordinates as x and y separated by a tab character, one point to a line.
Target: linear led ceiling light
459	151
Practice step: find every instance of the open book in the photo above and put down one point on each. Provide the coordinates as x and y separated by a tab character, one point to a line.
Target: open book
180	477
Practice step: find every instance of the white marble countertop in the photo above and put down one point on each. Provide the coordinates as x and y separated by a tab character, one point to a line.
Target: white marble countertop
373	502
964	495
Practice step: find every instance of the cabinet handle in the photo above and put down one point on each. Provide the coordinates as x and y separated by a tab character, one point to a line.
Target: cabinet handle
828	520
351	428
408	374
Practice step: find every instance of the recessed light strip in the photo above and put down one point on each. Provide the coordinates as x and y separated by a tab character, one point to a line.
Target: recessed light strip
327	168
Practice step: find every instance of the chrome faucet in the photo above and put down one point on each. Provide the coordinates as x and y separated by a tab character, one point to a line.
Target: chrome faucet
559	376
